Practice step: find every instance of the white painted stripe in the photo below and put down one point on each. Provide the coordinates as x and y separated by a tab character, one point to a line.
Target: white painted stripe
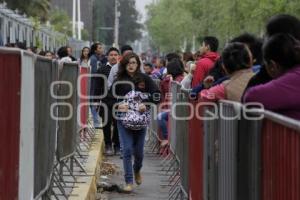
26	171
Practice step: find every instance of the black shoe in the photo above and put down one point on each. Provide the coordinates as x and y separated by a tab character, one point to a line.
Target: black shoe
108	151
117	150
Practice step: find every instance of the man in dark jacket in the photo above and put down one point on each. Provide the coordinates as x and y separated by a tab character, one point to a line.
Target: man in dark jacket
107	118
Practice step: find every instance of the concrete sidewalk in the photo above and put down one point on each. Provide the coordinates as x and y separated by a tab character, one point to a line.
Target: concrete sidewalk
86	186
151	188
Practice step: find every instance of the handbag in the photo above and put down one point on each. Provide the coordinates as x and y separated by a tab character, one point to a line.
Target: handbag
133	119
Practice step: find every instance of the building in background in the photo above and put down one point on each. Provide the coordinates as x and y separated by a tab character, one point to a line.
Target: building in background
86	12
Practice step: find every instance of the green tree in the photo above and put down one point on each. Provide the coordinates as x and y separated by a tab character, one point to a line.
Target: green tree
39	8
130	28
104	18
224	19
104	15
169	25
60	21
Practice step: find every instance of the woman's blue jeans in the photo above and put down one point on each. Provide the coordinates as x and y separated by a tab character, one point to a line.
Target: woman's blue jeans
162	119
133	145
95	115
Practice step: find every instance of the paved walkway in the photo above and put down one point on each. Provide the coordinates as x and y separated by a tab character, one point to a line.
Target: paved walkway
151	188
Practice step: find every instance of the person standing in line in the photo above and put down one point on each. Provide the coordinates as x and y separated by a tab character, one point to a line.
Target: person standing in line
62	54
237	62
69	49
126	49
96	59
85	65
112	144
85	58
148	68
175	72
281	23
209	56
282	62
160	67
49	55
133	140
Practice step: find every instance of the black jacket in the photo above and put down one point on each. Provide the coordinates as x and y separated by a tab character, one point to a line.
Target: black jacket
102	84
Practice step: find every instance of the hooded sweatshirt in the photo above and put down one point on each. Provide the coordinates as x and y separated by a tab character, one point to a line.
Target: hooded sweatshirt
204	65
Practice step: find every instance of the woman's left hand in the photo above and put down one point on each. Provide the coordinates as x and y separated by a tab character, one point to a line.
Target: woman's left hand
142	107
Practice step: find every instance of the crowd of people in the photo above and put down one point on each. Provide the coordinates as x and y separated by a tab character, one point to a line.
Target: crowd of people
248	69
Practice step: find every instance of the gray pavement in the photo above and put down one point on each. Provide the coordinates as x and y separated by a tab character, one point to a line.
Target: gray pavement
151	188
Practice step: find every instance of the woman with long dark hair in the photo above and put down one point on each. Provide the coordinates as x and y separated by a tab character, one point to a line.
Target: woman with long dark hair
85	57
132	140
85	66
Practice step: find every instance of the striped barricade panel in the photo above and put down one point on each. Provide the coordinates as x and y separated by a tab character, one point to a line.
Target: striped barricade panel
280	157
45	123
17	124
196	158
67	111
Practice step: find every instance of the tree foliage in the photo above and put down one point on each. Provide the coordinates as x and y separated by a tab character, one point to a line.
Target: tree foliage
60	21
169	24
170	21
130	29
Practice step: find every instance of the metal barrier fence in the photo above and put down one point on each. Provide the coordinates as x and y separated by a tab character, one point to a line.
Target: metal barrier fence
235	153
231	153
210	163
227	145
45	125
244	155
17	124
26	166
67	110
182	111
30	150
179	142
175	89
248	165
10	123
153	137
280	159
17	28
196	155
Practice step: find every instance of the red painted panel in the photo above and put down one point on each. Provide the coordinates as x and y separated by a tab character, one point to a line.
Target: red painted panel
280	162
196	157
84	91
10	84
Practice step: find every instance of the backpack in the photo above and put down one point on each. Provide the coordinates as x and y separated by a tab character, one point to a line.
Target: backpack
133	119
